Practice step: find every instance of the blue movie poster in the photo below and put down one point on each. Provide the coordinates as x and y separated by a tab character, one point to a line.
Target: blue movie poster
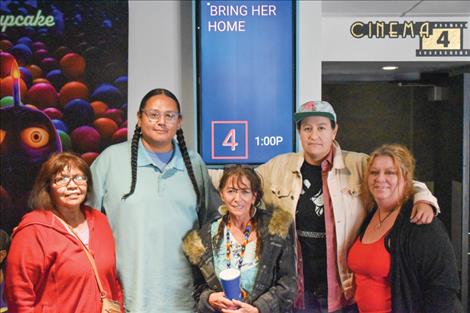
246	77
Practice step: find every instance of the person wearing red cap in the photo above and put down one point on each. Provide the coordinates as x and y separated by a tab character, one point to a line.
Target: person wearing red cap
320	186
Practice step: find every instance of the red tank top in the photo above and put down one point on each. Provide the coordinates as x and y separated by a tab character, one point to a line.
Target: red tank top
370	263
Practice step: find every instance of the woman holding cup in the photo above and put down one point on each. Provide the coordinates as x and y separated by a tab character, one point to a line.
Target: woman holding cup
256	241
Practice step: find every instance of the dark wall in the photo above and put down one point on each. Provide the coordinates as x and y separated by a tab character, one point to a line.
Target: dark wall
371	114
425	134
448	145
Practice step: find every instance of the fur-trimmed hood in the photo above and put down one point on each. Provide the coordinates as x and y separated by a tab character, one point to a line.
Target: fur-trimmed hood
193	247
279	223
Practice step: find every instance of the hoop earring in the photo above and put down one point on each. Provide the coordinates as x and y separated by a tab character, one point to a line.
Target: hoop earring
223	210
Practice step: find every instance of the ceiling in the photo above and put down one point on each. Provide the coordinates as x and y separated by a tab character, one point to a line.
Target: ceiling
408	71
396	8
372	71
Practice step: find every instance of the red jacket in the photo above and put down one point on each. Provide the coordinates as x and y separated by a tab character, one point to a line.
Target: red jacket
48	271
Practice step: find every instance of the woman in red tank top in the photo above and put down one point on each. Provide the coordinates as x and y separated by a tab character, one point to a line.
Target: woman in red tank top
400	267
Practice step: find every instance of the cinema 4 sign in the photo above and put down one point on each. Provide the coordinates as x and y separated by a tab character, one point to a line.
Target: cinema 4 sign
435	38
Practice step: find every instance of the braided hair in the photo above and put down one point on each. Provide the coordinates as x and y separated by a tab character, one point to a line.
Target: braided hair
187	162
179	137
134	150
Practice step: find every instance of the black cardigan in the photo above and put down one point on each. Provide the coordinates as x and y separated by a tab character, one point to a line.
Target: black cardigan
424	276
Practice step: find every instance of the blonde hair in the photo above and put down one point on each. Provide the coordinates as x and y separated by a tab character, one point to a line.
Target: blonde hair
40	197
404	163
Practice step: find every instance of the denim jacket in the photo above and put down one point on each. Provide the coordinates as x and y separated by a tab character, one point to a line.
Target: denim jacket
275	284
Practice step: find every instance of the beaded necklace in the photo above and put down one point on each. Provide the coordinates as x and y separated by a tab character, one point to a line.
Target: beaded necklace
228	254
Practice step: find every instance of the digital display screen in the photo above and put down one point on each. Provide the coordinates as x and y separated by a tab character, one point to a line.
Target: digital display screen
246	80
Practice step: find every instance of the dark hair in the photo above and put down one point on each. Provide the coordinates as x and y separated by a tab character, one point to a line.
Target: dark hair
40	197
179	137
333	124
4	244
236	173
4	240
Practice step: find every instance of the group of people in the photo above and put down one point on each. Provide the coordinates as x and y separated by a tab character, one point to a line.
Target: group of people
321	230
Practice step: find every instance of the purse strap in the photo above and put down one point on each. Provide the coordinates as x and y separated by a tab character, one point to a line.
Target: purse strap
88	254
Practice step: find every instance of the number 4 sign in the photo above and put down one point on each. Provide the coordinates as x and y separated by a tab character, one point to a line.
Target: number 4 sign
446	39
229	140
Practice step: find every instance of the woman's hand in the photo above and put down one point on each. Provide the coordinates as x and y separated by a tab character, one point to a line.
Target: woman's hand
219	302
242	308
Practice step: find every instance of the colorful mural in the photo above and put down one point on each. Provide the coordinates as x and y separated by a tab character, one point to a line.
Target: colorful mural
69	92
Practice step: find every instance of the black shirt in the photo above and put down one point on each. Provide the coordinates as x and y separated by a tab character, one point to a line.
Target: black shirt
310	224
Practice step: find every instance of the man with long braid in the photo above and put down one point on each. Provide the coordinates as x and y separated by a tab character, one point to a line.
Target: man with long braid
154	191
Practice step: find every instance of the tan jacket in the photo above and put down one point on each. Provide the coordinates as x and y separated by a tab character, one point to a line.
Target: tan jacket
282	183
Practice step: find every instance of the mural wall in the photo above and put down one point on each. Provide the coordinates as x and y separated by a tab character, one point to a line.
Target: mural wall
63	76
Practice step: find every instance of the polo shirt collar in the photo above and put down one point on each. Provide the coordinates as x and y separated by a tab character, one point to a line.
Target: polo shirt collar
176	162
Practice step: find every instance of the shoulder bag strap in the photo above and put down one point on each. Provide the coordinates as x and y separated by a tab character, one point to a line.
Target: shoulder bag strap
90	257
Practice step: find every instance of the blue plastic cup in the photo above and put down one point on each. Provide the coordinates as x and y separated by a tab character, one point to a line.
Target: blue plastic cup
230	279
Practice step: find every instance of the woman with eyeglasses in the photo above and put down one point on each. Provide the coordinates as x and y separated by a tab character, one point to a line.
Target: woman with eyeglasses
154	191
48	269
256	241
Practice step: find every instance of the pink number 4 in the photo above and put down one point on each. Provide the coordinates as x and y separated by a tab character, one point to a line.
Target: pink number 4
230	140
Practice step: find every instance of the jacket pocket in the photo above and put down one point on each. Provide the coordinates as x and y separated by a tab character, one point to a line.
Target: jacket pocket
353	205
281	191
353	191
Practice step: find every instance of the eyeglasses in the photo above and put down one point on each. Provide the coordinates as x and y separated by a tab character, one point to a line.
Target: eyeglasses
154	116
63	181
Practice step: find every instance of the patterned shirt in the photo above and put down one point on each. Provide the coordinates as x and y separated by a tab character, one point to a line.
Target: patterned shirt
250	263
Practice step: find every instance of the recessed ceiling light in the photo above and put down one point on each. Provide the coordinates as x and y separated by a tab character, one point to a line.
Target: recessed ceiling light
389	68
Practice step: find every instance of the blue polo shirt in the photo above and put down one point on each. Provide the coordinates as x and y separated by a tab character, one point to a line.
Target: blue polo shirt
149	226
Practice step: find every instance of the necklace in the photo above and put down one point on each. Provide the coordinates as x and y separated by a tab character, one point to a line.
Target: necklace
246	235
381	221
